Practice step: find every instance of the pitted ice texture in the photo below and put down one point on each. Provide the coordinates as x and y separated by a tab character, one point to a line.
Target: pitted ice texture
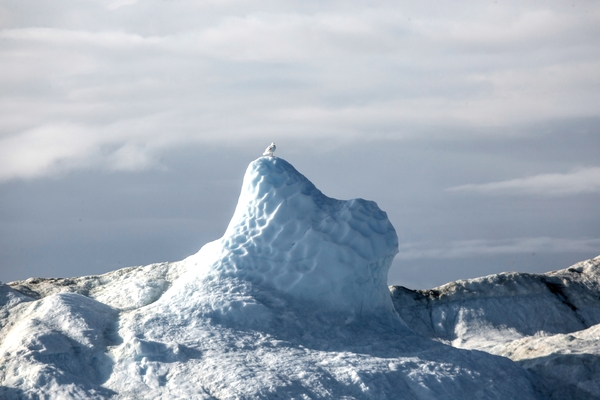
287	235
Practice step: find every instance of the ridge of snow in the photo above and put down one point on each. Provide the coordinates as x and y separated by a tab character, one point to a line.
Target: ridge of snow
509	302
548	323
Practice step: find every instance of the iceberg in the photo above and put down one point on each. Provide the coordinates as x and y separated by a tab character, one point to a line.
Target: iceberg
292	302
288	236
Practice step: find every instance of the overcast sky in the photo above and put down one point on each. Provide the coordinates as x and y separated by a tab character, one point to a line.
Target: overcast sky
126	126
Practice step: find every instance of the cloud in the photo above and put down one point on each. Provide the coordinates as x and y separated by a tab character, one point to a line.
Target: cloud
36	151
471	248
58	148
586	180
68	37
235	70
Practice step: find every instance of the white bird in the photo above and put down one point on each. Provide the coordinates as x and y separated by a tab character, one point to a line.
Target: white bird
270	150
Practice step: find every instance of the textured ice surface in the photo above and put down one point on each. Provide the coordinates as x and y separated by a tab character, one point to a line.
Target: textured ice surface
287	235
547	323
58	347
292	303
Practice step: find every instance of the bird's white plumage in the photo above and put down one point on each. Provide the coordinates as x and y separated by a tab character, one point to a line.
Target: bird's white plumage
270	150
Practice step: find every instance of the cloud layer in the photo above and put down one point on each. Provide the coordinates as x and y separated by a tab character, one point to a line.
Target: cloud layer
585	180
481	247
113	84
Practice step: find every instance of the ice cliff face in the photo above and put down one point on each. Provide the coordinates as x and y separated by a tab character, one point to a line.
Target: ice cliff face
290	303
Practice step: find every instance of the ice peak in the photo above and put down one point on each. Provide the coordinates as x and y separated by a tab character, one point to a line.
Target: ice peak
288	236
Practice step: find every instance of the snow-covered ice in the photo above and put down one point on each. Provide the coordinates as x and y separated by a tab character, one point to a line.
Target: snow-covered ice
291	302
549	323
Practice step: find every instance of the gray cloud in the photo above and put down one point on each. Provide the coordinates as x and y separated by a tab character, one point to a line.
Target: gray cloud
482	247
585	180
90	92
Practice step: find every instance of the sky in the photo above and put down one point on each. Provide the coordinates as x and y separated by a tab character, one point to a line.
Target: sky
126	127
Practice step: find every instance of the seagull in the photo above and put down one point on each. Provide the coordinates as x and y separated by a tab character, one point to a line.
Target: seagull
270	150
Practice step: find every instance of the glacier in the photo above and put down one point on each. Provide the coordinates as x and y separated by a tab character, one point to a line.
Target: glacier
292	302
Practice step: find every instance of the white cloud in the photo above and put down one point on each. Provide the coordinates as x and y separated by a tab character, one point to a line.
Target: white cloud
40	150
586	180
471	248
59	148
233	70
120	3
67	37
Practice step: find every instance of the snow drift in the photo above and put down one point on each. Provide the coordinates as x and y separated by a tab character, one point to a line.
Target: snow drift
290	303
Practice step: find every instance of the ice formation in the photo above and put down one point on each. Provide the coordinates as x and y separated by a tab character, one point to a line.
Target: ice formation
287	235
291	302
549	323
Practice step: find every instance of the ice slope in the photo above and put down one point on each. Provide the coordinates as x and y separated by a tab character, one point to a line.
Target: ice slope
549	323
290	303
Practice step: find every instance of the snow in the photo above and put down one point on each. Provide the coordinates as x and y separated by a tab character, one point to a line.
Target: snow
549	323
292	302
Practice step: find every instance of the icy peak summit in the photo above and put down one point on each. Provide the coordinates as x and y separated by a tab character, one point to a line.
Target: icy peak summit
288	236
